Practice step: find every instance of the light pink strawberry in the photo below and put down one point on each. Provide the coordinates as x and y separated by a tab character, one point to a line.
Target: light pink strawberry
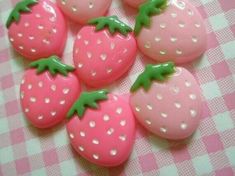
37	29
166	100
170	30
134	3
102	54
103	134
81	11
48	91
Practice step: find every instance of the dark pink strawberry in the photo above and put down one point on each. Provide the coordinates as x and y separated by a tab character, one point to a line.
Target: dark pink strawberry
37	29
47	92
102	54
103	134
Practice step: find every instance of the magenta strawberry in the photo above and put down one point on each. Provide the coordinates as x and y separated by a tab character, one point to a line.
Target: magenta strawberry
84	10
166	101
47	92
104	52
170	30
37	29
101	128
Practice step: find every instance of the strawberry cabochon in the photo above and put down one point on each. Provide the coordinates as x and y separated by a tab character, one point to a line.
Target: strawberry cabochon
83	11
102	133
170	29
169	104
104	51
47	93
37	29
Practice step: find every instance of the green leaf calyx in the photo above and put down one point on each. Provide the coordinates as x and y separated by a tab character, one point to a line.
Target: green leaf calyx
53	65
22	6
146	10
113	24
87	100
158	72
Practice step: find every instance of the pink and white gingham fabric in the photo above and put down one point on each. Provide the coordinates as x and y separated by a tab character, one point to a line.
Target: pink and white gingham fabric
25	150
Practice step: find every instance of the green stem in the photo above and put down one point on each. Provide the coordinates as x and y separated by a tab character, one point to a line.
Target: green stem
146	10
112	23
22	6
87	100
53	65
153	72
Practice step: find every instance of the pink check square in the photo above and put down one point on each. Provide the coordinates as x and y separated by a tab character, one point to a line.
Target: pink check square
202	11
233	29
205	110
148	162
4	55
50	157
230	101
12	108
180	154
22	166
221	70
213	143
227	171
7	81
227	5
17	136
212	41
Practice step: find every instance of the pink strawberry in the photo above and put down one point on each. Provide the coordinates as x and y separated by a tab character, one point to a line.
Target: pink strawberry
84	10
48	92
37	29
102	54
170	30
169	104
134	3
102	134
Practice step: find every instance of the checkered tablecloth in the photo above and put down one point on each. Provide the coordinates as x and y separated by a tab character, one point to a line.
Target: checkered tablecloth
25	150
